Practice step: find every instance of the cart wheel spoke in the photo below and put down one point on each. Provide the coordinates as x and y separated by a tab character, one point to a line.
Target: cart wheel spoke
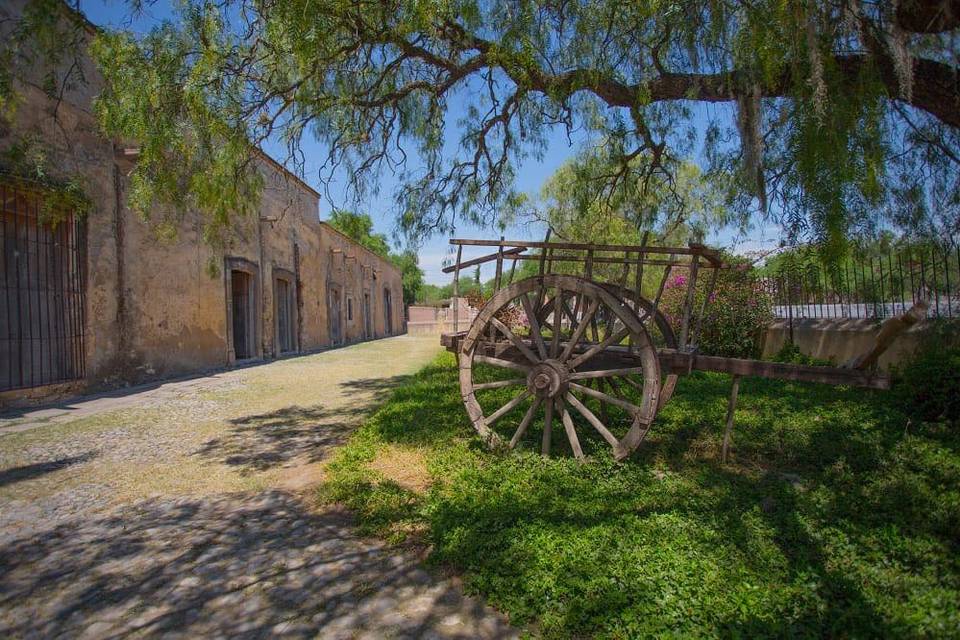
534	325
527	418
547	427
606	397
500	362
597	348
581	328
498	384
557	324
571	431
633	383
507	408
517	342
592	419
606	373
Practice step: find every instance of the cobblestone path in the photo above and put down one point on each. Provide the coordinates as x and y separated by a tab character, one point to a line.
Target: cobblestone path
187	512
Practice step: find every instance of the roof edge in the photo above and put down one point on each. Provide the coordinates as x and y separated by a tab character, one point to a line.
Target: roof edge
389	264
280	167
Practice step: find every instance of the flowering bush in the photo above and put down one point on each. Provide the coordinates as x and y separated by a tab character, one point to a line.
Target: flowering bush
737	312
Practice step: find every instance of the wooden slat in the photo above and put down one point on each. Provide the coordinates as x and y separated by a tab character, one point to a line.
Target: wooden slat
507	408
484	259
692	249
525	422
592	419
677	362
499	362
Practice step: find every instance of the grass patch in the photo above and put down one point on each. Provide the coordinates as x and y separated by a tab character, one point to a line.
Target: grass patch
835	517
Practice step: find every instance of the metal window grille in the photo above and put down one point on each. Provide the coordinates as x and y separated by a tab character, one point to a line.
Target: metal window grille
42	303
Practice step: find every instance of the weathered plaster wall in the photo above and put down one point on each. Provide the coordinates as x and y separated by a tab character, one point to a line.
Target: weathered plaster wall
153	308
67	132
351	271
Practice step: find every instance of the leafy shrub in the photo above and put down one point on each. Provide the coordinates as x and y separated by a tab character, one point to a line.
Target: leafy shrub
929	384
737	312
790	353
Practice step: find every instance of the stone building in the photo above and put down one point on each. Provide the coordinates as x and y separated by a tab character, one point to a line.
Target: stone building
100	301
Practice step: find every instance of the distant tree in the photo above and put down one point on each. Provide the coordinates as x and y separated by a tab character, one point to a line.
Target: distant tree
412	275
683	208
359	227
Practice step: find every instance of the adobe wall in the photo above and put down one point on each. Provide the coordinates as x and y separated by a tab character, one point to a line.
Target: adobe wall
152	308
74	148
351	271
428	320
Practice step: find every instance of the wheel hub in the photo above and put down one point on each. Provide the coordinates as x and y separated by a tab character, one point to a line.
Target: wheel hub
548	379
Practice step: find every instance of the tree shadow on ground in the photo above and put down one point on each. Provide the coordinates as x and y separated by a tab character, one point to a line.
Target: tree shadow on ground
291	435
235	565
295	434
381	387
31	471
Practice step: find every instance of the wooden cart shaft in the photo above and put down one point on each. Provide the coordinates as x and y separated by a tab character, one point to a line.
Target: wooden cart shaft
681	363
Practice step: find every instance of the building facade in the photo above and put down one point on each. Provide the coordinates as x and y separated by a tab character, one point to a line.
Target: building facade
100	300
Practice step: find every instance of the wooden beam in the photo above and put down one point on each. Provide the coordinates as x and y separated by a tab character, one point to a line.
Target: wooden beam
676	362
891	328
712	255
731	407
484	259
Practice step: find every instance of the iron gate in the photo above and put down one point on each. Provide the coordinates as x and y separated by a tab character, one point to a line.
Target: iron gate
42	304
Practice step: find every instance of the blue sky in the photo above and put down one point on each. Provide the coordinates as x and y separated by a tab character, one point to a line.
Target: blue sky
532	174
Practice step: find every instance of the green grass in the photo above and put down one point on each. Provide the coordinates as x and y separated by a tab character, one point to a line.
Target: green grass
836	517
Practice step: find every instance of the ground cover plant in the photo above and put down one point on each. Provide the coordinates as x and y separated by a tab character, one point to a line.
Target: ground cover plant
838	515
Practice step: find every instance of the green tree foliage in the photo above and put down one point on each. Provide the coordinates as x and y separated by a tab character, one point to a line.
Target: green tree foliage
834	108
359	227
412	275
829	112
682	208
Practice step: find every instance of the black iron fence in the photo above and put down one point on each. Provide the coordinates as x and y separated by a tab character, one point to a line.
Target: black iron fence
868	284
42	295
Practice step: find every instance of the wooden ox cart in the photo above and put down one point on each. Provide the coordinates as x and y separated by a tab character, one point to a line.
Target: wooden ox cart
597	355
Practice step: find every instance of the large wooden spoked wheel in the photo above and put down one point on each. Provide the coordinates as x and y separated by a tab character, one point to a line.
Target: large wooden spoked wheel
517	377
653	318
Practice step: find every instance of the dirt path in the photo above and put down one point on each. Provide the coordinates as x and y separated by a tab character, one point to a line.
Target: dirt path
184	510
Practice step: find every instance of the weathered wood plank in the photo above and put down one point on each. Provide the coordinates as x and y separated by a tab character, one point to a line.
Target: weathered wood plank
484	259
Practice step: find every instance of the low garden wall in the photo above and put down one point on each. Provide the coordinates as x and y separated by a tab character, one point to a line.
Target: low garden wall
428	320
840	339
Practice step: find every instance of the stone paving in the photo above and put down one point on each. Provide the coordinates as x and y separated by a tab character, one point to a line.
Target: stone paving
78	558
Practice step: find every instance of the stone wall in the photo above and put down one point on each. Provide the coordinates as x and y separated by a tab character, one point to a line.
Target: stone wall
152	307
